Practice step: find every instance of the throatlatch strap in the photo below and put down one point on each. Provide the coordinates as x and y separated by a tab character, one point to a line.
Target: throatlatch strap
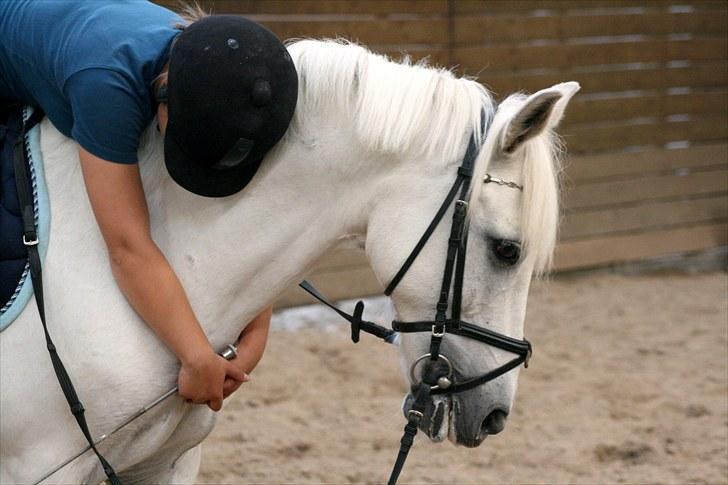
30	239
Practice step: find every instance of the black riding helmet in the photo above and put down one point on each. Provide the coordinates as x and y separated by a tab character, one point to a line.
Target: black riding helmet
231	93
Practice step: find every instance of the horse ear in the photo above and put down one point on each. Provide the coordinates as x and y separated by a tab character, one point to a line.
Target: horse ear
541	111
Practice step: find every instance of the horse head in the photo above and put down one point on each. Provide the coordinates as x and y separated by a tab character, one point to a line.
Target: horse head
512	231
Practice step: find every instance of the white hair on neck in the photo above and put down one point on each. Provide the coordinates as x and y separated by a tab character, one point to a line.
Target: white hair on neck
396	107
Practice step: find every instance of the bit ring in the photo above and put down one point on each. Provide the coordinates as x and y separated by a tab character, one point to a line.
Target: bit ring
427	356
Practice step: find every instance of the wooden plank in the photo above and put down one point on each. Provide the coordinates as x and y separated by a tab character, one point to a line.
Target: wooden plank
587	196
614	136
474	58
639	218
647	77
434	56
336	285
499	7
341	259
487	29
580	169
288	7
611	249
584	109
375	32
634	247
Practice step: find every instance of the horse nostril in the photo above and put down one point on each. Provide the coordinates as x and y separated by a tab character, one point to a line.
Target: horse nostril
494	422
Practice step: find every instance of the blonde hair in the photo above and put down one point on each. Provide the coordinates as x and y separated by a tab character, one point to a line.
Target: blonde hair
189	13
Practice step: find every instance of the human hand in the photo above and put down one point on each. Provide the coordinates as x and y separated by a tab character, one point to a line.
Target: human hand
201	379
230	386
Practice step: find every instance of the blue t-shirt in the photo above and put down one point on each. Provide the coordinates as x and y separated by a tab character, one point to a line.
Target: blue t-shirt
89	64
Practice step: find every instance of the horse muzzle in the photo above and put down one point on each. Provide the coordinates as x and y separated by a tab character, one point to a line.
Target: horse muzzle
465	418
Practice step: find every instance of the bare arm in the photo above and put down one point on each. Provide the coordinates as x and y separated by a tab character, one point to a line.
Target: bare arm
146	278
251	345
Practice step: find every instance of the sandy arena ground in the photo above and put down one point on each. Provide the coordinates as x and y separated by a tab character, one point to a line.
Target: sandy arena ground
629	384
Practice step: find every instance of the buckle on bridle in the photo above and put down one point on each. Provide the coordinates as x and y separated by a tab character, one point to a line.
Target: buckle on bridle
528	357
32	242
415	415
435	333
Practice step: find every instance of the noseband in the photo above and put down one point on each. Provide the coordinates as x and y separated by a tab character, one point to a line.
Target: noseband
441	325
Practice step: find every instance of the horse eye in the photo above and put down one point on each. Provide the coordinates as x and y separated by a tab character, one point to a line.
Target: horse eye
508	252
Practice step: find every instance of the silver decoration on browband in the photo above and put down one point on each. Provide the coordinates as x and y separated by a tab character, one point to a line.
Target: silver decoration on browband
489	179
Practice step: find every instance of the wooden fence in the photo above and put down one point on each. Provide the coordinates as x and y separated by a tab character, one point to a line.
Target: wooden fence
647	173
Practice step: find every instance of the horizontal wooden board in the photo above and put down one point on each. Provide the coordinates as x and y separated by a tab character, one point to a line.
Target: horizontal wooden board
623	78
292	7
616	136
374	32
586	168
634	247
566	6
341	259
611	249
486	29
643	217
336	285
588	196
645	104
474	59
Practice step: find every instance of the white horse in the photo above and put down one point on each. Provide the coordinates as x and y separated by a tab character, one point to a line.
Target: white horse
371	152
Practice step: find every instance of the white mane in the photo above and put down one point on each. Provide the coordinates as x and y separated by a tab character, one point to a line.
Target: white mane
397	107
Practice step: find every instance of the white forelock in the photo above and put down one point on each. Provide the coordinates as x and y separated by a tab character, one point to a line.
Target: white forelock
396	107
540	158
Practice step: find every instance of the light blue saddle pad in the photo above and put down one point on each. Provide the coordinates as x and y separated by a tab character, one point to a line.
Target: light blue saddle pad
24	289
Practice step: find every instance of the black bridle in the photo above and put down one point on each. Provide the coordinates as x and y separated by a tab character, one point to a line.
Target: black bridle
452	282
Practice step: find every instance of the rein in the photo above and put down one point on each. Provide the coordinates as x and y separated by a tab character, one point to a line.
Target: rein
30	241
453	275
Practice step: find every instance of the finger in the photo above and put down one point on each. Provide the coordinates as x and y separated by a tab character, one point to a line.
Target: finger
236	373
215	404
230	384
228	389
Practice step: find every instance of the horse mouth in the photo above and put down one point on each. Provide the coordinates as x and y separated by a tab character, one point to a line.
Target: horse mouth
437	421
443	418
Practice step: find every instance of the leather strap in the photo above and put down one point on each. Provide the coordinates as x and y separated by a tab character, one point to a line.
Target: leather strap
465	329
414	416
30	239
425	237
357	324
465	173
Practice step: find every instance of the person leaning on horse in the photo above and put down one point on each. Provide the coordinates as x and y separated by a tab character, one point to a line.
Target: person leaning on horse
101	71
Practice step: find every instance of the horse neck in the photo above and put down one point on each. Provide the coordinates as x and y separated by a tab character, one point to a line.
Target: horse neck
237	254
